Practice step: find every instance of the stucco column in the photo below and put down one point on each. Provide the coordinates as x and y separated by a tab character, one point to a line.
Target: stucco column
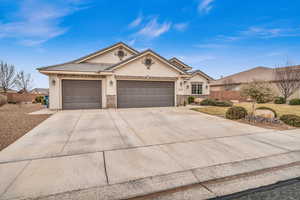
180	90
111	92
54	92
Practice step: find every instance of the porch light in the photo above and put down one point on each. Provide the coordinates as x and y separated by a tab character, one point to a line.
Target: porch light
187	87
53	82
111	83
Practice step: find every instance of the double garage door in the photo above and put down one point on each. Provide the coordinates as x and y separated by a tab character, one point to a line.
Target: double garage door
86	94
138	94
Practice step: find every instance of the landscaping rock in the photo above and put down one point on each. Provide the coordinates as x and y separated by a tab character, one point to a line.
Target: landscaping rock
264	113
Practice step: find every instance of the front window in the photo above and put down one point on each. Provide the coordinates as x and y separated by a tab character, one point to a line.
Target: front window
196	88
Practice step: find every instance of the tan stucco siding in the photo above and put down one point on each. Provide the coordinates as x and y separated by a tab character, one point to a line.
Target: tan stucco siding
109	57
200	79
137	68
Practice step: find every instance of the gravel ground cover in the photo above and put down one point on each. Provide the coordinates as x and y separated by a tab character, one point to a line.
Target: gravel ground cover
16	122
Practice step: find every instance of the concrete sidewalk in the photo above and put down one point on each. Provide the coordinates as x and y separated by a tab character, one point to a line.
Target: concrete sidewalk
117	154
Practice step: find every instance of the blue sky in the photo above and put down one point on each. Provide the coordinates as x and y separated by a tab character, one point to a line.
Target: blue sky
219	37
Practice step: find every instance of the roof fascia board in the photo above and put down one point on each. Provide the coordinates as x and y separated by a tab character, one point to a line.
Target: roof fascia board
102	51
117	66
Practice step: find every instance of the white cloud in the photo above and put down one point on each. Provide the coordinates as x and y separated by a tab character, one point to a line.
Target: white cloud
154	29
196	59
181	26
36	22
211	45
261	33
136	22
205	6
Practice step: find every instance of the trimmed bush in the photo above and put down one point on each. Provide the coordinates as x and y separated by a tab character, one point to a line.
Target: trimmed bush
294	102
3	100
292	120
267	108
279	100
223	103
39	99
236	112
191	99
208	102
213	102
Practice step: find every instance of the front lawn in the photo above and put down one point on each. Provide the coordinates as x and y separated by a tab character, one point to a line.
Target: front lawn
281	109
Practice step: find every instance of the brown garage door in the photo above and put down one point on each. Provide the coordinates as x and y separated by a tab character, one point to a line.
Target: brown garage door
81	94
137	94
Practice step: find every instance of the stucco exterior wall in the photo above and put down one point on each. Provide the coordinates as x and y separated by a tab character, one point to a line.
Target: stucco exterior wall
109	57
137	68
200	79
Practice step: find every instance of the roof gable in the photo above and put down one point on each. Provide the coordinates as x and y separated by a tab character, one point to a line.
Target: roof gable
202	74
148	52
119	45
180	64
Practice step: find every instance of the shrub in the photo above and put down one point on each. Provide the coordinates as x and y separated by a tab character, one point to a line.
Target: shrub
208	102
292	120
224	103
267	108
294	102
236	112
191	99
279	100
3	100
39	99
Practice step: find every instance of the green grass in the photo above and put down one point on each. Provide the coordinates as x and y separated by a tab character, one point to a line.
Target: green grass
281	109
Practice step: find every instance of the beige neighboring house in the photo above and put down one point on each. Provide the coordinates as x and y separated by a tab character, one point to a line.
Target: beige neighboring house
8	91
122	77
41	91
235	81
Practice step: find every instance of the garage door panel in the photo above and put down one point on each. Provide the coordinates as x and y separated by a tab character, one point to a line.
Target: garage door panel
81	94
134	94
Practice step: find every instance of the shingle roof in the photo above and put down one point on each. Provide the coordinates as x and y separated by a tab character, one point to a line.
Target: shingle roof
40	90
257	73
200	72
82	67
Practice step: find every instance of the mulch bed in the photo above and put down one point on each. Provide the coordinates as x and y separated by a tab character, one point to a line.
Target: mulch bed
280	127
16	122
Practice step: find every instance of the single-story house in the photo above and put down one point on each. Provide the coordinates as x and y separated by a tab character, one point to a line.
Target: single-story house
8	91
41	91
234	82
121	77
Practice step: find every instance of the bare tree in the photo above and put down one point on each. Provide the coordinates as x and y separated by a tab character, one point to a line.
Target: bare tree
23	81
287	80
7	76
258	91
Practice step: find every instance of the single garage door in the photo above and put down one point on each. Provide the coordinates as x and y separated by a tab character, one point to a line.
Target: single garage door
81	94
138	94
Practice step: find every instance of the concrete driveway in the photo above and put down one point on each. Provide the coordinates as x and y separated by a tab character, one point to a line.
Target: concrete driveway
104	154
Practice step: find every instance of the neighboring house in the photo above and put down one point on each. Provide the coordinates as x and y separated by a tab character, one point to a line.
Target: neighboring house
41	91
8	91
121	77
235	81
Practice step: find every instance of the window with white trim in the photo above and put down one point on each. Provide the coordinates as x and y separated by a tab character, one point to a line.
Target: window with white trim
197	88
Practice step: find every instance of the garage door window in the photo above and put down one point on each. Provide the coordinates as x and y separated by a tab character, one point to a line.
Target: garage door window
196	88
